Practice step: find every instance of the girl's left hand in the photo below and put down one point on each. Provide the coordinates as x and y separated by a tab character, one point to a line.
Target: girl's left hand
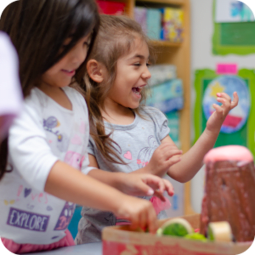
217	118
136	184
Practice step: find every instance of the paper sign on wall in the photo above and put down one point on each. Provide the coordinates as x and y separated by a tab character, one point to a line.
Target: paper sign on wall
227	69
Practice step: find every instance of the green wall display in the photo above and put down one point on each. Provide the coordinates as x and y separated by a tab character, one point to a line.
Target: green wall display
233	38
244	136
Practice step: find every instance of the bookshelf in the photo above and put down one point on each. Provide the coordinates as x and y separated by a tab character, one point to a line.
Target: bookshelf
177	54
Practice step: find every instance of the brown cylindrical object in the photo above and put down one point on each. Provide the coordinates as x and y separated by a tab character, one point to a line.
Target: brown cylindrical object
229	196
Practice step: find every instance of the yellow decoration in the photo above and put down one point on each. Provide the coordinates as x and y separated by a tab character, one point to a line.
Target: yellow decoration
11	202
217	88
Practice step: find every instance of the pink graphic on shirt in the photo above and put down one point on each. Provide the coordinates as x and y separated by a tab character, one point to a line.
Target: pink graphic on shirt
76	140
20	190
40	197
159	205
65	216
74	159
128	155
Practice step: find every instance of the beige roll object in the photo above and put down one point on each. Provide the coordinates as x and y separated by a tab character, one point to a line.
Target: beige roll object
220	231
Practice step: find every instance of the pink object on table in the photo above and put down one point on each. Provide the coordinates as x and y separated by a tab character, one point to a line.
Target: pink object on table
159	205
10	90
231	152
227	69
111	8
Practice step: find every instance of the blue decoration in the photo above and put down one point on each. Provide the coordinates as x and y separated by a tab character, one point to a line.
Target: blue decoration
237	117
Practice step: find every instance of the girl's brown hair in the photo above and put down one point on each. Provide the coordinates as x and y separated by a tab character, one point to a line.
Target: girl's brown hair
116	37
38	30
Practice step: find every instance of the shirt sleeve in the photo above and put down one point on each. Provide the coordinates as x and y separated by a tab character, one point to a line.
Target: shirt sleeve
29	151
91	151
10	90
91	146
161	122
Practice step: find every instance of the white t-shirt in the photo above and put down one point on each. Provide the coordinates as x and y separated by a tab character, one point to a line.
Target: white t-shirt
10	90
44	133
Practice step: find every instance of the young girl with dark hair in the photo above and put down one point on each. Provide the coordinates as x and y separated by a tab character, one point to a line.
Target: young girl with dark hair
45	156
127	136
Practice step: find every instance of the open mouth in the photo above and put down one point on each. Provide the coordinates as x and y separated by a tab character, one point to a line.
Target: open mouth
137	90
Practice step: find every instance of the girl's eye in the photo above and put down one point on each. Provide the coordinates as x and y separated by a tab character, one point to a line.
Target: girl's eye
86	44
137	64
148	64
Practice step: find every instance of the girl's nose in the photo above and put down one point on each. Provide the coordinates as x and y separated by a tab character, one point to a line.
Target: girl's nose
146	74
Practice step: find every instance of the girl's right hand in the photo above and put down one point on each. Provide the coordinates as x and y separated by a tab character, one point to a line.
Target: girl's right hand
139	212
163	158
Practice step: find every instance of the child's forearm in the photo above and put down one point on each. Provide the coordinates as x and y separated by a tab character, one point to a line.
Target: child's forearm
112	179
192	160
67	184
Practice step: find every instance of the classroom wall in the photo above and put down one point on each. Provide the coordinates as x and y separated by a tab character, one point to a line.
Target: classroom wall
201	58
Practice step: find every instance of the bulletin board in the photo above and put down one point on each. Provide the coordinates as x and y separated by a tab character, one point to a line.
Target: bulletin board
233	37
244	136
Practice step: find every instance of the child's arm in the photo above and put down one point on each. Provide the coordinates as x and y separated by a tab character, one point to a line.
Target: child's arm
69	184
166	158
192	161
133	183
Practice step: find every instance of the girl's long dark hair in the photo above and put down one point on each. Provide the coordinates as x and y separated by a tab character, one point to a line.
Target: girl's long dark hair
38	30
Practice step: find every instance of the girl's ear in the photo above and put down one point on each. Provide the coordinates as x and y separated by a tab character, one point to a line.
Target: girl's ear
95	70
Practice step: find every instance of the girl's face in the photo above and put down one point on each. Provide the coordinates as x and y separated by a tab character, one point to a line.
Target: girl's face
131	77
60	75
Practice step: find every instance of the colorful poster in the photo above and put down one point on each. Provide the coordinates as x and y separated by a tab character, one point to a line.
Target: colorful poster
232	33
237	117
232	11
242	121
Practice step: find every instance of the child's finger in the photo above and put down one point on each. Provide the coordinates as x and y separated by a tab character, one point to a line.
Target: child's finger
221	100
159	195
225	96
143	220
155	182
218	108
169	187
145	189
234	103
173	160
134	219
171	153
152	221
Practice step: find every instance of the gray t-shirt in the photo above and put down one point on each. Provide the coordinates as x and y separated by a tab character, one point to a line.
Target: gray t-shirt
135	145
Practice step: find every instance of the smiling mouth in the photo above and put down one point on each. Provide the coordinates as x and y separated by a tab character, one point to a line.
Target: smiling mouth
69	72
137	90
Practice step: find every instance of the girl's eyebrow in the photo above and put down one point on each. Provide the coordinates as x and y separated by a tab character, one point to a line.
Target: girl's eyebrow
142	57
138	56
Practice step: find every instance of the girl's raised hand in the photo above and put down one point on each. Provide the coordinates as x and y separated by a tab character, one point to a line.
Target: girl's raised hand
137	184
139	212
217	118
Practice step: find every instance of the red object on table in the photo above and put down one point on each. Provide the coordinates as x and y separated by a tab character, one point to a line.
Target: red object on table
111	8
